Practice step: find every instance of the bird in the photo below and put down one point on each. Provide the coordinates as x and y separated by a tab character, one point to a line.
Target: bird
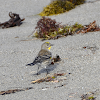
44	56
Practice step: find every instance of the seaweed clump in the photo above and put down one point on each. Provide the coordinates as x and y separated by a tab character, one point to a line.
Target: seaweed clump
88	96
49	29
60	6
46	28
77	2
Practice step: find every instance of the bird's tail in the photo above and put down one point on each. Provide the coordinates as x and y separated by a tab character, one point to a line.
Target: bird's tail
31	64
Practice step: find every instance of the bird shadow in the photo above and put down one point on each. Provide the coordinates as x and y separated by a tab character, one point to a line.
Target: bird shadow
47	70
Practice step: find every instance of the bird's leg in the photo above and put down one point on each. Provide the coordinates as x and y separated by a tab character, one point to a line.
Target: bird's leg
47	71
38	69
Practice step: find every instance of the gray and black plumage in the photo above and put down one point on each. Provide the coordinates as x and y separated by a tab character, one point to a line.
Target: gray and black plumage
44	56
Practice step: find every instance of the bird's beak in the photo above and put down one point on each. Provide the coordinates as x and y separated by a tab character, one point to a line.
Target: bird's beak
49	48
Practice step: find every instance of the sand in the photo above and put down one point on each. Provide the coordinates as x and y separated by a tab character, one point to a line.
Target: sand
83	64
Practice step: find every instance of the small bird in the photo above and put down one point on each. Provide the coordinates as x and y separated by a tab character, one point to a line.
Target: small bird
44	56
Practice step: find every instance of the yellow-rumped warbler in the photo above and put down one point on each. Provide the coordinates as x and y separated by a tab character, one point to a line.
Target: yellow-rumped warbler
44	56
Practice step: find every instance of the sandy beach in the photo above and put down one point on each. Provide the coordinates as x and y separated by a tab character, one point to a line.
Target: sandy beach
17	49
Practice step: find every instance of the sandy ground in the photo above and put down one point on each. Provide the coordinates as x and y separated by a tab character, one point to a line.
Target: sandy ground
83	64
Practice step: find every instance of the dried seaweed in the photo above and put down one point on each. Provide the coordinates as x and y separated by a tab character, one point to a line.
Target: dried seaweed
48	79
92	48
49	29
77	2
57	7
56	59
60	86
14	91
14	21
45	26
92	27
60	6
88	96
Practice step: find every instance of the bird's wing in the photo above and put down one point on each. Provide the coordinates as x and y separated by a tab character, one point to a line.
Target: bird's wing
42	56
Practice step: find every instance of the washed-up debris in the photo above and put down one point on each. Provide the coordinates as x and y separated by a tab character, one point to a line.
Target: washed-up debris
60	86
92	48
14	91
49	78
55	59
45	28
88	96
92	27
14	21
57	7
49	29
60	6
